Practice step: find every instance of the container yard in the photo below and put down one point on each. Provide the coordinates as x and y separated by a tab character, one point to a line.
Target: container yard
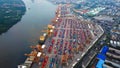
64	43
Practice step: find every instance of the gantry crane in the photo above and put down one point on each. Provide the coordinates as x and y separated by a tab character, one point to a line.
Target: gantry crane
88	41
78	49
36	53
64	59
37	47
49	30
33	54
58	15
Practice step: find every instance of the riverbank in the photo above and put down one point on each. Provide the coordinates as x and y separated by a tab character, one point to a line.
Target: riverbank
16	41
11	12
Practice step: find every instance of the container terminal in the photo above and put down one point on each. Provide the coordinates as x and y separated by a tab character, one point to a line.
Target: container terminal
65	41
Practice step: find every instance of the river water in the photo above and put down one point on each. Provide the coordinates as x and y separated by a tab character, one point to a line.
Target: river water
16	41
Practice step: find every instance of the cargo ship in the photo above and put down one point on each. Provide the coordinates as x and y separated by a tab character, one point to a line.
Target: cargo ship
65	41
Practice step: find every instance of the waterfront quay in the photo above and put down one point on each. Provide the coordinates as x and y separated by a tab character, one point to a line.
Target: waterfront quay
65	42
